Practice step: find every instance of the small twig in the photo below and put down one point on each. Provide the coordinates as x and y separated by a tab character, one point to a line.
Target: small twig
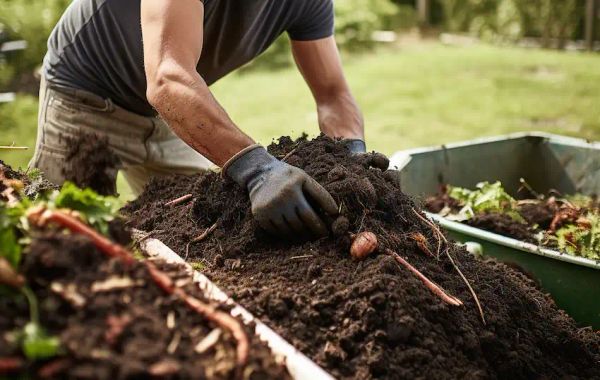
187	251
12	147
460	273
471	290
179	200
221	318
436	231
362	220
199	238
300	257
434	288
530	189
205	234
422	243
289	154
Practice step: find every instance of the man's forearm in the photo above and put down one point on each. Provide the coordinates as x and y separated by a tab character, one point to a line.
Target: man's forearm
184	101
339	116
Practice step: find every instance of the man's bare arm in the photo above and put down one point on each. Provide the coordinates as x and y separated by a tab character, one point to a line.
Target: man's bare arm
172	32
320	64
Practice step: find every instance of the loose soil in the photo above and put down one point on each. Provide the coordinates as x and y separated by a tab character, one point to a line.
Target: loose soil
91	163
504	225
115	323
373	318
495	222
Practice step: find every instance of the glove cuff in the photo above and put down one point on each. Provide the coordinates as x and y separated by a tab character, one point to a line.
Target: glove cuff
247	164
355	145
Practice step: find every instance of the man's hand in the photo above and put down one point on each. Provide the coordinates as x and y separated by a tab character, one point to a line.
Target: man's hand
281	194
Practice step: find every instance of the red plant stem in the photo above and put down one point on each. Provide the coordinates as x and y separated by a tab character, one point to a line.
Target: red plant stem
10	365
179	200
74	225
435	289
160	278
52	369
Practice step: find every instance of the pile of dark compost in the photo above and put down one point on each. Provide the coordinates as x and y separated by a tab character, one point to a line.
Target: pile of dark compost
91	163
371	318
114	322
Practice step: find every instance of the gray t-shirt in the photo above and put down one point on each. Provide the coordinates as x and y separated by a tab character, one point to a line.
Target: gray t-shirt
97	44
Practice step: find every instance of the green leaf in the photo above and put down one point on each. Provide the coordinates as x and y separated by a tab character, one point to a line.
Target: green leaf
97	210
581	241
486	198
34	174
37	344
10	248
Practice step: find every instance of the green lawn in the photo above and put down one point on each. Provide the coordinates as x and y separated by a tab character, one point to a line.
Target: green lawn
411	96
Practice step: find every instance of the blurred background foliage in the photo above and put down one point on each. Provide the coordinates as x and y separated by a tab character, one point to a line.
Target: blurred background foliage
554	21
32	21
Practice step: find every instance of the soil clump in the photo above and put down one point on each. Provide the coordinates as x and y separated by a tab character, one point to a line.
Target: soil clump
91	163
372	318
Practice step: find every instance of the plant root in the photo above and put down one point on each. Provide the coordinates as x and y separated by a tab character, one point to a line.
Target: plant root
205	234
471	290
180	200
284	159
435	289
436	231
422	243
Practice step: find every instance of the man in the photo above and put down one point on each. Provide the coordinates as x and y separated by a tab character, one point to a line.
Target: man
138	71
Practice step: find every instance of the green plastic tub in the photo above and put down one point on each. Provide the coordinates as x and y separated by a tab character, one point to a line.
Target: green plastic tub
547	162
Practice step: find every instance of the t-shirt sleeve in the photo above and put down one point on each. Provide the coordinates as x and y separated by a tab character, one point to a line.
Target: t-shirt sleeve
314	22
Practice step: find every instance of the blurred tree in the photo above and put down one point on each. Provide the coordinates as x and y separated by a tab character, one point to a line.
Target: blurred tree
31	20
356	20
555	21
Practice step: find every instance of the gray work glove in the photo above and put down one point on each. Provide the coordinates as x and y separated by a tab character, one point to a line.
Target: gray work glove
280	194
355	145
359	148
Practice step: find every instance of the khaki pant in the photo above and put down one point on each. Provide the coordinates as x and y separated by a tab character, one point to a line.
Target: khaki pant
146	145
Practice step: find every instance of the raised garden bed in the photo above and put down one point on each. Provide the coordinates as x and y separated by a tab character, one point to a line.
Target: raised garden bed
375	317
549	163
